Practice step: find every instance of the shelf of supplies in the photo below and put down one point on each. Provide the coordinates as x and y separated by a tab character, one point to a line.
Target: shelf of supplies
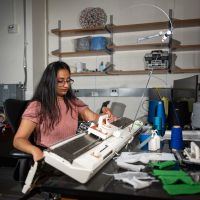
136	72
82	53
128	48
115	48
128	28
137	47
195	47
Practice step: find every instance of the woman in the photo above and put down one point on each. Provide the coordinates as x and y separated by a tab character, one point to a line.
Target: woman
53	112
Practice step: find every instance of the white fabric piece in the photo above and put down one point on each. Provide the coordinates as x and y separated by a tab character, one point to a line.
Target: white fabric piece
130	175
137	184
150	156
135	168
133	159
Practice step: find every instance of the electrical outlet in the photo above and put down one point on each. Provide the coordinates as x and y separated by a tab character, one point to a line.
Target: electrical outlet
114	92
13	28
95	94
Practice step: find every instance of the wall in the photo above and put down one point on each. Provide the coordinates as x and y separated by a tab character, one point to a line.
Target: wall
68	12
12	45
38	37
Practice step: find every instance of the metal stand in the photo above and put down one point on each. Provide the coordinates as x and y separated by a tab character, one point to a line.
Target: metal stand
170	44
109	51
59	38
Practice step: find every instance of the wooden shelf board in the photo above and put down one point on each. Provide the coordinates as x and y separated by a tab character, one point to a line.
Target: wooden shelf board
186	23
128	28
197	70
186	47
137	47
136	72
139	27
88	74
128	48
81	54
79	32
115	48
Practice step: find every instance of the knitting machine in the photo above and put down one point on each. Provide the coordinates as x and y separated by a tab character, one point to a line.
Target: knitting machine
83	155
156	59
190	155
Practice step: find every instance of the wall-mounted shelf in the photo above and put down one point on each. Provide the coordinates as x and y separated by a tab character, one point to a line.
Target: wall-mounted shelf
115	48
82	53
136	72
128	28
79	32
128	48
124	29
137	47
195	47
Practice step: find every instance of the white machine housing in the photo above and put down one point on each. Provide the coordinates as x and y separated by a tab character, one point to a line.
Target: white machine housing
88	164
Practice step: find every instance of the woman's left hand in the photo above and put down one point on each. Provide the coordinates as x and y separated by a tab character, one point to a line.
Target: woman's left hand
111	118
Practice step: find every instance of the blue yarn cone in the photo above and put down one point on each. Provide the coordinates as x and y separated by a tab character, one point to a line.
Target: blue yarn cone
161	112
152	110
176	138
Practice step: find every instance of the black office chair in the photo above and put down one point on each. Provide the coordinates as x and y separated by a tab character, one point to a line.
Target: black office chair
13	111
105	104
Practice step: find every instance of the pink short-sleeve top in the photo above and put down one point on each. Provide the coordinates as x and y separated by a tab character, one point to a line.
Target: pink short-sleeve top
66	127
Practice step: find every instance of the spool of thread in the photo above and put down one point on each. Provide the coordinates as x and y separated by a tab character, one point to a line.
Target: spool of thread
176	138
173	121
190	101
152	110
181	105
196	115
161	112
157	125
98	43
158	122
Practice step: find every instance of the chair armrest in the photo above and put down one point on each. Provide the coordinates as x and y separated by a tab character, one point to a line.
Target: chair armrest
20	154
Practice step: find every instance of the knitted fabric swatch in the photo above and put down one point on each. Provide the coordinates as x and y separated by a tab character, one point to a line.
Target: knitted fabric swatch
169	180
163	164
177	189
168	173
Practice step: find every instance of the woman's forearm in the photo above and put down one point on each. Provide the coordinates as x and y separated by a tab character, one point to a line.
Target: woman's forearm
24	145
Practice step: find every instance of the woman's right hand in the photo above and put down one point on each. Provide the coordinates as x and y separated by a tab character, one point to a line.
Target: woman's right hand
37	154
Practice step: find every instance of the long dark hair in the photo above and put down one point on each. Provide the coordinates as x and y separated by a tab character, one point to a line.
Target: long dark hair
46	95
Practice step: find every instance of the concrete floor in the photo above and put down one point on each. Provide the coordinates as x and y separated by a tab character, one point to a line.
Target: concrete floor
10	188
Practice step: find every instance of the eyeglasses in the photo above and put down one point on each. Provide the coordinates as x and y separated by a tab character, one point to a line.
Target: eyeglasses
62	82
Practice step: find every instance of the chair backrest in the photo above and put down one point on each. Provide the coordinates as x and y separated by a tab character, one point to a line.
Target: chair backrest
14	109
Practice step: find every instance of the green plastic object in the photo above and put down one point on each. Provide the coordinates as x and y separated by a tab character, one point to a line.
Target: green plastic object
163	164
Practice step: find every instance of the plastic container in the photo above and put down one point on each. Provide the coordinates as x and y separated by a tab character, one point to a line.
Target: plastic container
98	43
79	67
143	137
83	44
101	69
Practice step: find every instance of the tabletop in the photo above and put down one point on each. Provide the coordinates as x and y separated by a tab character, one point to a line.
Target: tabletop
101	186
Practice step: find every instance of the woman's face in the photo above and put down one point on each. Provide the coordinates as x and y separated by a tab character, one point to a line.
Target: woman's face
63	83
